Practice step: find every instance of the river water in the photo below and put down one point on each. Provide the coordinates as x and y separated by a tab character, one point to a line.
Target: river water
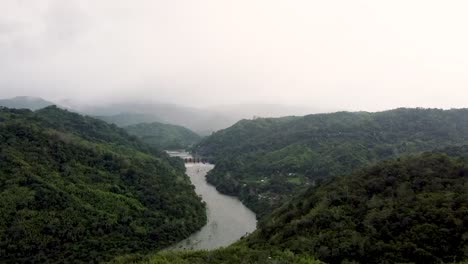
228	218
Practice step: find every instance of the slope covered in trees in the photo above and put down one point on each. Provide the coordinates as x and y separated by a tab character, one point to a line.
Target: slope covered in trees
264	161
410	210
164	136
234	254
76	189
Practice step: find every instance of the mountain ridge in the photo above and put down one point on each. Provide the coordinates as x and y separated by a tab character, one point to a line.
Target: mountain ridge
263	160
76	189
164	136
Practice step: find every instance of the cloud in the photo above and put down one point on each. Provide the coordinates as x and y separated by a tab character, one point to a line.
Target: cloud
336	54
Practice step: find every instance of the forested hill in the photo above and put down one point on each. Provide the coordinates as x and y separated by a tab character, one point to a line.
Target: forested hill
409	210
76	189
164	136
264	161
412	209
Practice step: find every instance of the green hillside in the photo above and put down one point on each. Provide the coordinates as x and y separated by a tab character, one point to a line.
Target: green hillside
409	210
264	161
236	254
164	136
76	189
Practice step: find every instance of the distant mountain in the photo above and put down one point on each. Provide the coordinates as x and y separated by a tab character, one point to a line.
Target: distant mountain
128	119
264	161
262	110
25	102
74	189
164	136
203	121
125	114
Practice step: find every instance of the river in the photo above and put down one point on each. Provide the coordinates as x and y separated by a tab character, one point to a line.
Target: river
228	218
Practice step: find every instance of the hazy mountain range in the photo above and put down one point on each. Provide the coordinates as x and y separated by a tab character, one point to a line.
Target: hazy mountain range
164	136
338	187
28	102
201	120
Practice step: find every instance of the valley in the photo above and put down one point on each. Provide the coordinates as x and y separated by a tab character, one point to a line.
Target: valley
344	187
228	219
76	189
266	160
233	132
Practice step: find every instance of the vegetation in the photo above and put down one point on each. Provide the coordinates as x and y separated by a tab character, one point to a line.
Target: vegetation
266	160
164	136
232	255
75	189
409	210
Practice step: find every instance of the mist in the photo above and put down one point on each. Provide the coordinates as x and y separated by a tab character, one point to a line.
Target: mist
325	55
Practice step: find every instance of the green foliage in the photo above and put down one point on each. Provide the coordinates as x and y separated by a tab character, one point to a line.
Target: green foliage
264	161
230	255
75	189
164	136
410	210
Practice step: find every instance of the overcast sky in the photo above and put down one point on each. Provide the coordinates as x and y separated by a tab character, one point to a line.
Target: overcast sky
340	54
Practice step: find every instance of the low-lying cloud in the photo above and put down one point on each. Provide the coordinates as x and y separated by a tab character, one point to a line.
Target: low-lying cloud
365	55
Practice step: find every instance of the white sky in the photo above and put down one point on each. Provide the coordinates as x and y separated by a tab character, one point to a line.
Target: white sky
339	54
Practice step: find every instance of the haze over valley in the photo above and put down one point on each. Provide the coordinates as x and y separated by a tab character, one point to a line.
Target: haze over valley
216	131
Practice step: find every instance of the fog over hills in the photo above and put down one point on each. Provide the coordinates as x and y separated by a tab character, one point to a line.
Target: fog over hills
370	55
322	123
27	102
202	120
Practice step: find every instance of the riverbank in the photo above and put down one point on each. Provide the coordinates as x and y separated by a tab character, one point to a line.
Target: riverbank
228	218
